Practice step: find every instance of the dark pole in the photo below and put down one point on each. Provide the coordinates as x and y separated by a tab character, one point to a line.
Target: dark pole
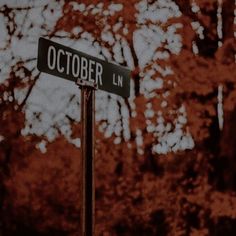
87	167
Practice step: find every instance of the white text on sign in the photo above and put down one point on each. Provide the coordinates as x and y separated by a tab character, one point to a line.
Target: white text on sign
117	80
78	67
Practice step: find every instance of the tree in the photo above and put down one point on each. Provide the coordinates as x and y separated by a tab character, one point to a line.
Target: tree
165	160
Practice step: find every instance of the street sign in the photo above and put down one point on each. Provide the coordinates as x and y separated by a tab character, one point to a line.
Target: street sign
70	64
89	73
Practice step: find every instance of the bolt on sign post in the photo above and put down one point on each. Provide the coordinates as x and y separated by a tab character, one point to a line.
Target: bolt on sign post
89	73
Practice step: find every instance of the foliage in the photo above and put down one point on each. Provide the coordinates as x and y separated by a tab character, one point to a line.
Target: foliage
164	163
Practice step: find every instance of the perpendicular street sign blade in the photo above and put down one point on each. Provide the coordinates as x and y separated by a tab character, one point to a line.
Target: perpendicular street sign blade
70	64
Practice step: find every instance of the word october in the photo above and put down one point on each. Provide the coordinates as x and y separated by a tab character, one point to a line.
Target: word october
71	64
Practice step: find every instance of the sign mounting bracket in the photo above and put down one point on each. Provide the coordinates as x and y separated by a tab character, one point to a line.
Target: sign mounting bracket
86	83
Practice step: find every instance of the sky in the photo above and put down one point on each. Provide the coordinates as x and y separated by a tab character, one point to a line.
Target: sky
55	99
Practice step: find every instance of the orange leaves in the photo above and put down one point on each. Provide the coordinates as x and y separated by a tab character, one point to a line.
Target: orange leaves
95	16
11	123
46	184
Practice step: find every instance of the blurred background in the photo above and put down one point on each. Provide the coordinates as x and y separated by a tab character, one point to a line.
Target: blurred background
165	157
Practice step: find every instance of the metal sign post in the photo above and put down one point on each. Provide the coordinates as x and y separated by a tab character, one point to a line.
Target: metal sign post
87	167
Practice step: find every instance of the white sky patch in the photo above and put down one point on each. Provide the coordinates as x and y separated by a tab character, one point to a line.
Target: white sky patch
127	54
220	108
117	50
47	108
125	119
198	29
125	31
53	13
76	142
161	55
3	35
42	146
76	30
131	99
107	36
78	6
150	83
195	48
115	118
117	26
164	104
23	49
26	46
117	140
159	11
115	7
195	7
163	71
174	41
219	22
139	142
107	110
149	113
106	53
24	3
171	137
35	17
147	41
97	9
